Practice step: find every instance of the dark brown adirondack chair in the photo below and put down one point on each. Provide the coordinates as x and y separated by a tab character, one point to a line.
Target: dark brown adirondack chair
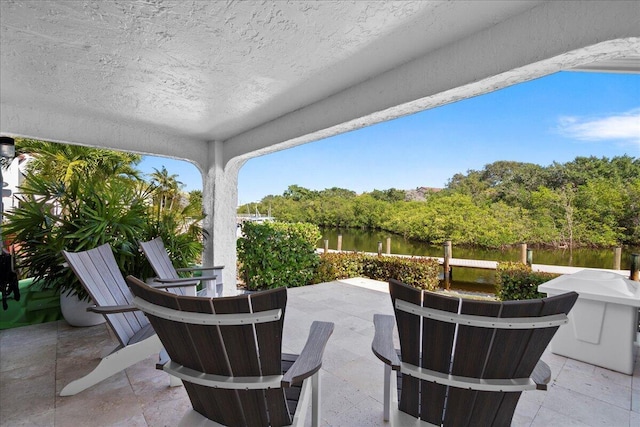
98	272
463	362
168	275
228	353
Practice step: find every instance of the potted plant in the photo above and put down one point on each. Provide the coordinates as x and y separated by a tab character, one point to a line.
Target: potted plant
77	198
76	215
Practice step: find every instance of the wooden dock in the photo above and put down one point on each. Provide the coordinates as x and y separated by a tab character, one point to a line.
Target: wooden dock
493	265
543	268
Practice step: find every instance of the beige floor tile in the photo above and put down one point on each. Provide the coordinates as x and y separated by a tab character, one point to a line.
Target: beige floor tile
26	394
582	408
111	402
597	386
551	418
36	418
37	361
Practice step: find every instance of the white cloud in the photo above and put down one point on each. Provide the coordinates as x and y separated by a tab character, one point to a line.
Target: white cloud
623	127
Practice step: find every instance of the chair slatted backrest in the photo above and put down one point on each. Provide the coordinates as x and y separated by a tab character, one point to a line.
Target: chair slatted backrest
161	264
248	350
100	275
469	351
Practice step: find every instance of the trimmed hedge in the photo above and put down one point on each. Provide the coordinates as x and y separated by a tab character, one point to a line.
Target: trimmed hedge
516	281
418	272
277	254
342	265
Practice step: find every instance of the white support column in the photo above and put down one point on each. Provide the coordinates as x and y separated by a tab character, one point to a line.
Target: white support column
220	200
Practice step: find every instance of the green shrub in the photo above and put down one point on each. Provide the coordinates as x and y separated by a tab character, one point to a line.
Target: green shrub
277	254
516	281
338	265
417	272
421	273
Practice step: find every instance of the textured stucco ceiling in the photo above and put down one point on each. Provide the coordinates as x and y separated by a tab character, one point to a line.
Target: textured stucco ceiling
212	70
170	77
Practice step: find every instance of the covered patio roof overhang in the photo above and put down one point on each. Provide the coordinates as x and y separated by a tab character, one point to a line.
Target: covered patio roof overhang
217	83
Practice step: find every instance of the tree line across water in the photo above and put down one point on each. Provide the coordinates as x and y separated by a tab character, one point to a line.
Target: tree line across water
587	202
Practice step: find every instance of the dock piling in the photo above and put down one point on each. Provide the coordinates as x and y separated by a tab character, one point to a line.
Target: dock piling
447	273
617	256
339	243
635	265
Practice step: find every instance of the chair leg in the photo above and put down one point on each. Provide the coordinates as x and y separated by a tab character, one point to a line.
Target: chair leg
174	381
114	363
387	391
163	359
315	400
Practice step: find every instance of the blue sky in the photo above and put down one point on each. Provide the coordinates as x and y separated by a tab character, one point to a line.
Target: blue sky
554	118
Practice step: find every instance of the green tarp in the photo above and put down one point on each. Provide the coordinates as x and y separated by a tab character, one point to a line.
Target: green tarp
35	306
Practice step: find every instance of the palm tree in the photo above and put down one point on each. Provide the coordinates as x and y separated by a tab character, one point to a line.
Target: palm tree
65	162
75	198
168	187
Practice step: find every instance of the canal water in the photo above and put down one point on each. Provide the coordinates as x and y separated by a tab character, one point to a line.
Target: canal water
470	279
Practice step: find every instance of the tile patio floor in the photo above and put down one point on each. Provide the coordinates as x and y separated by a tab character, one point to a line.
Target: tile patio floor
37	361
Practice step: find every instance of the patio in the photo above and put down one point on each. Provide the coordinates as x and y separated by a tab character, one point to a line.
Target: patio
37	361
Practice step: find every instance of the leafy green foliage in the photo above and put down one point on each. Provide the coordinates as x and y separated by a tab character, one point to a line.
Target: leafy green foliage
77	198
516	281
418	272
66	162
390	195
339	265
277	254
586	202
54	216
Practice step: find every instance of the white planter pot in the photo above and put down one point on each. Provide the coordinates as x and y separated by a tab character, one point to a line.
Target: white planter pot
75	312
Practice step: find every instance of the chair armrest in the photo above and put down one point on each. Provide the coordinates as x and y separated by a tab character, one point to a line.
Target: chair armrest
310	359
217	267
179	280
541	375
111	309
168	286
382	345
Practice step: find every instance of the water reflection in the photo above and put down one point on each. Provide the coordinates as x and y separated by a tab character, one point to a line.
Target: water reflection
468	278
